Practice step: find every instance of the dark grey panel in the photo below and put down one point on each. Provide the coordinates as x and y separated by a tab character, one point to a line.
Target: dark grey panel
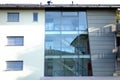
102	41
102	56
102	47
105	17
101	34
108	21
101	13
108	69
103	61
102	38
103	73
105	51
103	65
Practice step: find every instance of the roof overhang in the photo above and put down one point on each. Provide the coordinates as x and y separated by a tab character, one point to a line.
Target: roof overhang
52	6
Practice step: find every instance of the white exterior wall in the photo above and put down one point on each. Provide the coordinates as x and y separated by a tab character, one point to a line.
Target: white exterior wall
32	53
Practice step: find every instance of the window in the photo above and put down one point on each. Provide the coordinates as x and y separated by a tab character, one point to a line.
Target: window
35	17
13	17
15	40
14	65
69	13
66	38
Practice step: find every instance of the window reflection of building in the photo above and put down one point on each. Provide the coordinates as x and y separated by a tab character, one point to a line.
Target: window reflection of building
81	44
63	30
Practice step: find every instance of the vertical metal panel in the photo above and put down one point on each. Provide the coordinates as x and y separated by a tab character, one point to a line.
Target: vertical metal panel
101	41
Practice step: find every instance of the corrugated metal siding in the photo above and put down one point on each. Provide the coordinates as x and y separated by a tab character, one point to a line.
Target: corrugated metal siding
102	41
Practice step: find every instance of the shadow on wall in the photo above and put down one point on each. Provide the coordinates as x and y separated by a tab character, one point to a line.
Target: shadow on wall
33	58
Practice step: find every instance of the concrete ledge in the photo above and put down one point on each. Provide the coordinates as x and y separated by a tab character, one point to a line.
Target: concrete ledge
80	78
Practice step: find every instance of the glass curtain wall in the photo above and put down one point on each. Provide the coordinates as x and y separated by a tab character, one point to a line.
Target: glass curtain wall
66	44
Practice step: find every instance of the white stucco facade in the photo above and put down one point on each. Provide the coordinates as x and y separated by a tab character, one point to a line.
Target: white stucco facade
32	53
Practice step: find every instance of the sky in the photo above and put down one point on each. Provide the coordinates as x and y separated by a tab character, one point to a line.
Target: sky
60	1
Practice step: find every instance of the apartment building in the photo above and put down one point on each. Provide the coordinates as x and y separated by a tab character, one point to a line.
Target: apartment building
54	42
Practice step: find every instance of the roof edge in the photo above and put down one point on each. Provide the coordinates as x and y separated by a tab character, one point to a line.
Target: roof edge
30	6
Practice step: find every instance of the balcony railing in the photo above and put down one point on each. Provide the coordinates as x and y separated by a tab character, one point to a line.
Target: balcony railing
118	54
118	27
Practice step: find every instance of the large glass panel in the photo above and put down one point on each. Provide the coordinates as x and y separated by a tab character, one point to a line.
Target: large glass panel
53	42
69	23
53	20
66	44
82	21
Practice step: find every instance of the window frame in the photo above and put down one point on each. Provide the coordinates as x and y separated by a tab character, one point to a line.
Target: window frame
14	15
35	17
15	38
10	65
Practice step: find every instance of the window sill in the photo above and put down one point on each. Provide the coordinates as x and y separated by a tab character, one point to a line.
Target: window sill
14	45
13	21
13	70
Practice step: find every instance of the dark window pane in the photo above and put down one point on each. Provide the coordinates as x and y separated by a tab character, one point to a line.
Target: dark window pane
13	17
15	40
35	17
14	65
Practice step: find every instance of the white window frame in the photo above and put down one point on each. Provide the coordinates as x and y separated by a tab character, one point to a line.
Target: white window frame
13	16
35	17
14	65
15	40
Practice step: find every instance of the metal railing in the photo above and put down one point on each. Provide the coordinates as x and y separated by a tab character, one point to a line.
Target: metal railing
118	27
118	52
67	73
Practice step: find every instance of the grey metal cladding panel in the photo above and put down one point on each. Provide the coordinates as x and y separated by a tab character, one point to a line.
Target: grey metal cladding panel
97	18
103	43
101	12
102	21
103	60
103	73
101	34
99	26
102	51
105	17
97	69
102	38
103	65
101	47
101	56
102	29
